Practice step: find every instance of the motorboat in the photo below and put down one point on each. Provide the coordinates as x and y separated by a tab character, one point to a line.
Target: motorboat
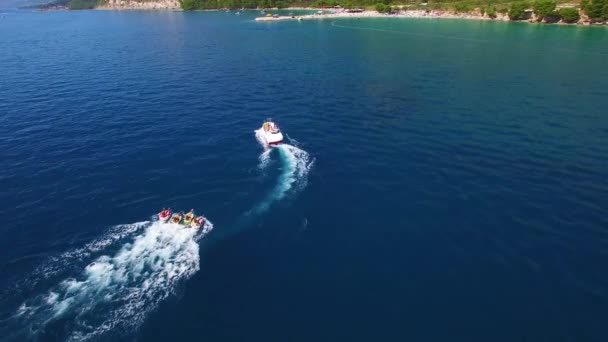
164	215
177	218
271	132
188	218
197	222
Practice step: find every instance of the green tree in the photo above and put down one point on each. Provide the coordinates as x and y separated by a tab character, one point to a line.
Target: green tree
569	15
518	10
382	8
462	7
82	4
595	9
542	8
491	12
189	5
553	17
584	4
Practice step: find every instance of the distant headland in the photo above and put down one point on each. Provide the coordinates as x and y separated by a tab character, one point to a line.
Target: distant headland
585	12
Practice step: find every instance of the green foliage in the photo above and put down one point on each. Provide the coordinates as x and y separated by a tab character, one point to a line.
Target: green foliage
543	8
596	9
463	7
517	10
569	15
82	4
491	12
552	17
50	5
189	5
382	8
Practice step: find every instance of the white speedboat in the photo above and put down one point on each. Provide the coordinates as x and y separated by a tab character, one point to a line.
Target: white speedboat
271	133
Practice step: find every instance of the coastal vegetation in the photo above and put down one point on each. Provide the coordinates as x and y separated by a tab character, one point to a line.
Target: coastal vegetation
546	11
72	4
597	10
83	4
538	10
544	8
569	15
383	8
518	10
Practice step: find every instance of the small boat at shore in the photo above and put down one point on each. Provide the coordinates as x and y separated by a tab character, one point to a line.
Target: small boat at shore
164	215
271	133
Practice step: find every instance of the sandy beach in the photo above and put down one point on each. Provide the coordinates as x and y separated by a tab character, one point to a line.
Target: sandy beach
433	14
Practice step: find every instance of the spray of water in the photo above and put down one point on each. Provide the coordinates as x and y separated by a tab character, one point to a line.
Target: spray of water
295	164
114	291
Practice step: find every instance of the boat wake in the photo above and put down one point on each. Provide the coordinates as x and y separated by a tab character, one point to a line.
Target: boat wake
264	159
120	279
295	165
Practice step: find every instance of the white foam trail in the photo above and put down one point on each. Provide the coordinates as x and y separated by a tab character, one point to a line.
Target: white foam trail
264	159
115	234
259	135
295	166
117	291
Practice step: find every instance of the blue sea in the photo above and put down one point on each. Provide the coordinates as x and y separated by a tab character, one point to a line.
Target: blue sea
441	180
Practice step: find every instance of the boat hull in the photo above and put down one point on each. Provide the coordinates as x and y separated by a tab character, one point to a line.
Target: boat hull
273	139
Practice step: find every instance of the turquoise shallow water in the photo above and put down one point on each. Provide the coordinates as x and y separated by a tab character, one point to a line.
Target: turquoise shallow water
443	179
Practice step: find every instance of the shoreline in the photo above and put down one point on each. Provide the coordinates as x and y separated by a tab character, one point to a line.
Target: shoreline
414	14
173	5
417	14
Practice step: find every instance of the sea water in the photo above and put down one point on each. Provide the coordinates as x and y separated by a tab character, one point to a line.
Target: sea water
442	179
